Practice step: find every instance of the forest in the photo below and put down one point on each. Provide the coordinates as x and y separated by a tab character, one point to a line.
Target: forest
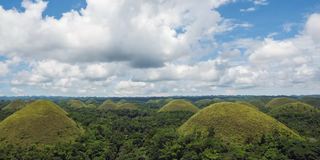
166	128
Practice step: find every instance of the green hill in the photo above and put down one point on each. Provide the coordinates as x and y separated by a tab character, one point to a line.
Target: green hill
247	104
108	105
203	102
234	123
127	106
15	105
41	122
299	116
276	102
179	105
77	104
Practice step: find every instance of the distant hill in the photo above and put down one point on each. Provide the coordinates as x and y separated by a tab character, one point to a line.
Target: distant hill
276	102
127	106
108	105
299	116
41	122
77	104
234	123
179	105
15	105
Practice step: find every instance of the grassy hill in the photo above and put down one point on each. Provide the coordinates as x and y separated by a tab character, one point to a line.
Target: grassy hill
127	106
179	105
77	104
276	102
235	123
15	105
41	122
247	104
299	116
108	105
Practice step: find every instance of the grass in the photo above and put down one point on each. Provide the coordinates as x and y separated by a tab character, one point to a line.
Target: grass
299	116
247	104
41	122
15	105
179	105
108	105
234	123
127	106
276	102
77	104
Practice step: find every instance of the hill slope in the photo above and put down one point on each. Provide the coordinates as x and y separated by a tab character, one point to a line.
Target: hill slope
179	105
127	106
108	105
299	116
276	102
15	105
77	104
233	123
41	122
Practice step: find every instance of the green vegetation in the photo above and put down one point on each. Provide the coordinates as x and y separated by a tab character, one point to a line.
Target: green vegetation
127	106
108	105
299	116
77	103
232	122
15	105
179	105
41	122
276	102
147	134
203	103
247	104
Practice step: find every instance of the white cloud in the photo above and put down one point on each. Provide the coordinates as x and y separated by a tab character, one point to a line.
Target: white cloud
251	9
143	33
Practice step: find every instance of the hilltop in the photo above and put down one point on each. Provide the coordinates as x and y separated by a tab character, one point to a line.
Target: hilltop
108	105
41	122
299	116
179	105
127	106
276	102
15	105
247	104
235	123
77	104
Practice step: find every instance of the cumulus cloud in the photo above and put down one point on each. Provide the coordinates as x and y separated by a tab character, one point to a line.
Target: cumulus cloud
143	33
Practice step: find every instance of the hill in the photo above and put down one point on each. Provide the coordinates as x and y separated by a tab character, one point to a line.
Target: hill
179	105
299	116
77	104
234	123
247	104
41	122
15	105
276	102
108	105
127	106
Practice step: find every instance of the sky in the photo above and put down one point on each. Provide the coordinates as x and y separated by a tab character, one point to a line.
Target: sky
159	47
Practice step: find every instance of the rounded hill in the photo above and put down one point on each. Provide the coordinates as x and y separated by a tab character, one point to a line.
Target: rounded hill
41	122
15	105
234	123
108	105
76	104
179	105
299	116
276	102
247	104
127	106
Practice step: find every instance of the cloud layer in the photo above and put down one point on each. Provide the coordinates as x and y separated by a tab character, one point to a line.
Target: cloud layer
124	48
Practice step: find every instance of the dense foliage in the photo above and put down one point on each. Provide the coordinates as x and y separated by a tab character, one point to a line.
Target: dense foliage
147	134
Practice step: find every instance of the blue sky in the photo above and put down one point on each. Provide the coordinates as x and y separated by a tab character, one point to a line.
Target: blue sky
113	48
